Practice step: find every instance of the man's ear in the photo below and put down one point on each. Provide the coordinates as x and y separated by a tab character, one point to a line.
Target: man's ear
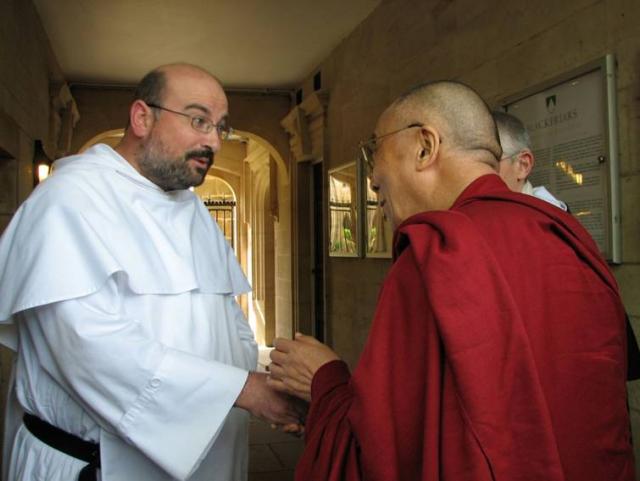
429	147
525	164
141	118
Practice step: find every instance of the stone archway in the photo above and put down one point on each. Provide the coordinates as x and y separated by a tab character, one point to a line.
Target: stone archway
268	217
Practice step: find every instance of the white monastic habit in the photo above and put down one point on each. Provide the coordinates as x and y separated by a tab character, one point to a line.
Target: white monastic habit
122	297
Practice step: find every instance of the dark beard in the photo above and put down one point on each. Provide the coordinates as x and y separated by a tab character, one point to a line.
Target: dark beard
172	173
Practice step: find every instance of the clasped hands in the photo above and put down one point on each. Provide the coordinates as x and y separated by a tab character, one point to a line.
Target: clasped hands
276	408
281	398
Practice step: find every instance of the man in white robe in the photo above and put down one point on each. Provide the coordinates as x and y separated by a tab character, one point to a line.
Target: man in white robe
121	290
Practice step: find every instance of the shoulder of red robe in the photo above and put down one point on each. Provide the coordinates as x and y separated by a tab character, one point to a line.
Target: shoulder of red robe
95	217
567	226
492	188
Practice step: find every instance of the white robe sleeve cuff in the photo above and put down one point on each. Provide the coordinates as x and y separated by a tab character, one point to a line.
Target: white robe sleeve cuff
188	432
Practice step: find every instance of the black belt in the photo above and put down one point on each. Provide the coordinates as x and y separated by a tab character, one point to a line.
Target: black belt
67	443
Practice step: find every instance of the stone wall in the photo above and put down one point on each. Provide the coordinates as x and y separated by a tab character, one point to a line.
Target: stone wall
500	48
101	109
27	71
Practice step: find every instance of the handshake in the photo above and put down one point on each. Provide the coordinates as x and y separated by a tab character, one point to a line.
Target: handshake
282	396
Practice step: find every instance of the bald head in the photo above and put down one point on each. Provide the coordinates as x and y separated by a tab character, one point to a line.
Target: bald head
458	111
152	87
429	145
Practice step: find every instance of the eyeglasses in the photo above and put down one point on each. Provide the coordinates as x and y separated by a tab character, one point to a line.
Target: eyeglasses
201	124
368	147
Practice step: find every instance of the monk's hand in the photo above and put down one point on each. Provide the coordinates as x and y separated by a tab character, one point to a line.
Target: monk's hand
294	363
269	404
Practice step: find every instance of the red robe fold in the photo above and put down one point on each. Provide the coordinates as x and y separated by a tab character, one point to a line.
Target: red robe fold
497	351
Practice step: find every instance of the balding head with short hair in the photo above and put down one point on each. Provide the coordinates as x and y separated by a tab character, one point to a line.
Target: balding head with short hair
151	87
462	115
150	90
429	145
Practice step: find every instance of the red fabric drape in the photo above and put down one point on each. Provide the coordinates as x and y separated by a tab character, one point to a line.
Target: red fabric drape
496	352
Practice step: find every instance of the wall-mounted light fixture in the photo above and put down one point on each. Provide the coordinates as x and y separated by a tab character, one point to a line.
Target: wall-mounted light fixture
43	171
41	163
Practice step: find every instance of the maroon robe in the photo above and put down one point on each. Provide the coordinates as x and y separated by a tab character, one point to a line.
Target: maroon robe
497	351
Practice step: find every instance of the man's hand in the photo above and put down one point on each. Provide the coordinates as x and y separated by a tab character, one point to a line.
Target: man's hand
295	362
270	405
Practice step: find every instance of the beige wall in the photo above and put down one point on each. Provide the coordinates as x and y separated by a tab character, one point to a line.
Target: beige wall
500	48
27	68
101	110
260	114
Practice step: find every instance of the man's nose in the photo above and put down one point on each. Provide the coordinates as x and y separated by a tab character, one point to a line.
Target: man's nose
212	141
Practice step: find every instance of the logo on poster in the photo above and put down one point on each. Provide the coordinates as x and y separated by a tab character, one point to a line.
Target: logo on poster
553	120
551	103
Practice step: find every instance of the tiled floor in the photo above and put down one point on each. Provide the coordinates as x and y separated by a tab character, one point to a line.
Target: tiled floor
272	454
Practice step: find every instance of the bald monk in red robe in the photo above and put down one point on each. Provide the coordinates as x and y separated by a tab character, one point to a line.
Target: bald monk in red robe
498	348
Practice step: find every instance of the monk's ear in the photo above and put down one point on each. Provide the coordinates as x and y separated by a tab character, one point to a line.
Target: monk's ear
429	147
141	118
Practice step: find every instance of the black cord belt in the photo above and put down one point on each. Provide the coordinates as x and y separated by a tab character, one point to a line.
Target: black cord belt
67	443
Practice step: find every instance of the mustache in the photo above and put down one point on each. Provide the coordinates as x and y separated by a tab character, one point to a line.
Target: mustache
204	153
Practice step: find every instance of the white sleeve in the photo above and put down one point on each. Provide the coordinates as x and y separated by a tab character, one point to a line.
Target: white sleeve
167	403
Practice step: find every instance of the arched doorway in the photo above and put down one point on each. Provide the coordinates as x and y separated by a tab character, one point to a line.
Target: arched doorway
247	192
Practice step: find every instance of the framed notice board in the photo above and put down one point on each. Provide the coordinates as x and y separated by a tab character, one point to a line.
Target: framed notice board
572	121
